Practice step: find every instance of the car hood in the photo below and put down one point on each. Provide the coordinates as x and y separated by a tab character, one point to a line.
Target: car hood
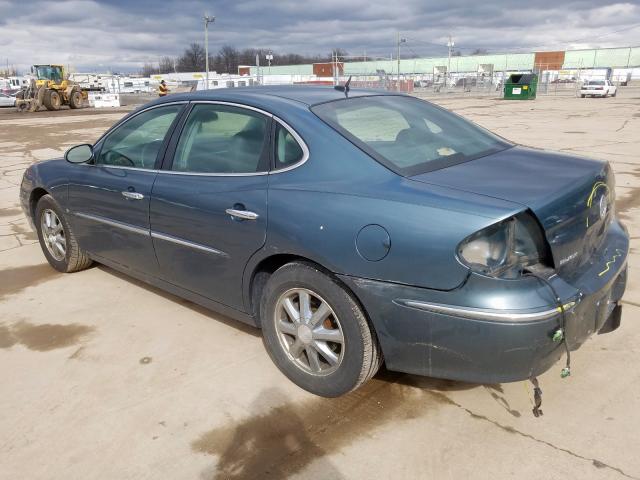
564	192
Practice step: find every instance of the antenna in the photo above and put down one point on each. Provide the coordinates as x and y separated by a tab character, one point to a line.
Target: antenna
344	88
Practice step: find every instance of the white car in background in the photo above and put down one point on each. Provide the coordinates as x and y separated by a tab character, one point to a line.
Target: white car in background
7	100
598	88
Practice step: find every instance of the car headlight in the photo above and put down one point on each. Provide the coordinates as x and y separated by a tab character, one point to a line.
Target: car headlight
505	249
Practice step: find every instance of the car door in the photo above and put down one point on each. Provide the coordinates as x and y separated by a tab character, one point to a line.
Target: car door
110	196
208	209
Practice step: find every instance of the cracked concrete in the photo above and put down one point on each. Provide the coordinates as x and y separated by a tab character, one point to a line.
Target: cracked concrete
135	383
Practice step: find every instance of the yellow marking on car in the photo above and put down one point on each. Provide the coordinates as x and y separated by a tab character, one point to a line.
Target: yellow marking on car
565	307
595	188
611	262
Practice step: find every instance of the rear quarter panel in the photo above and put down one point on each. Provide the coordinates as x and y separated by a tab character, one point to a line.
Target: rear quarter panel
317	210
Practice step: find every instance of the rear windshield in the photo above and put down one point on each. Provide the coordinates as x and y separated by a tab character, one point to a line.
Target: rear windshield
408	135
596	82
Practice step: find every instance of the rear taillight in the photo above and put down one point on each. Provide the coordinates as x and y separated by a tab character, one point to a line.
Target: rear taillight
506	248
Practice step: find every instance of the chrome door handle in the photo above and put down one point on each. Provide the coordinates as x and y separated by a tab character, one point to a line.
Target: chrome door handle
243	214
133	195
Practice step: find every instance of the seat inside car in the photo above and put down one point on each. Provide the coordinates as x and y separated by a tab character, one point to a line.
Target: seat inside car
204	150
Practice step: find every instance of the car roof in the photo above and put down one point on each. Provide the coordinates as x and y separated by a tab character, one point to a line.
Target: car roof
308	95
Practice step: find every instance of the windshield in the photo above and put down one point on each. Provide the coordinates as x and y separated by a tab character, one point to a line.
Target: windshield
408	135
48	72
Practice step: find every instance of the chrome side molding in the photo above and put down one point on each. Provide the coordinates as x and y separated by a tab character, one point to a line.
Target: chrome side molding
482	314
113	223
186	243
152	234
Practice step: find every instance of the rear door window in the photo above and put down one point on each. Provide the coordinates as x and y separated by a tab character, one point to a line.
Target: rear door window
222	139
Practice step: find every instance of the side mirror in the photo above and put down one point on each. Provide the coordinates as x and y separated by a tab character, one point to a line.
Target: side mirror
79	154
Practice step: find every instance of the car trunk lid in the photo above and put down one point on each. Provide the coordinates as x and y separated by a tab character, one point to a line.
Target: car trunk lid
570	196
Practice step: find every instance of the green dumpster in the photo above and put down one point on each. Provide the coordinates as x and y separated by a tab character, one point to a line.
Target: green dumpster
521	86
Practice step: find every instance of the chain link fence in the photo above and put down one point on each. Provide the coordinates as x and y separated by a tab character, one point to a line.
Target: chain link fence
489	83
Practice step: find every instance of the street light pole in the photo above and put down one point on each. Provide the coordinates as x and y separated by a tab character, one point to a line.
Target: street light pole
450	45
400	40
207	20
269	57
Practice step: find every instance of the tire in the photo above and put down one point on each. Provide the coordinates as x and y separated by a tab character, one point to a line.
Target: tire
356	358
614	93
75	99
72	258
582	96
52	100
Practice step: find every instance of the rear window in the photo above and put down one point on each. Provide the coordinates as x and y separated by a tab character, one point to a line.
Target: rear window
596	82
408	135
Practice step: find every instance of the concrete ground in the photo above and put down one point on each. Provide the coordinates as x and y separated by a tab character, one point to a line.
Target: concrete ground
104	377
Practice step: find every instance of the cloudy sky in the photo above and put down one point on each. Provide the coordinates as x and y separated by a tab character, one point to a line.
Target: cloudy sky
120	35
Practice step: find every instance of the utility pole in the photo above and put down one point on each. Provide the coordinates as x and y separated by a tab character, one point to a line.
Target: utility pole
258	69
207	20
400	40
450	44
269	57
334	66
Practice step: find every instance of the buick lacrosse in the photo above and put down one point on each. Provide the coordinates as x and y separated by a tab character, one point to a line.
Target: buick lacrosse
354	228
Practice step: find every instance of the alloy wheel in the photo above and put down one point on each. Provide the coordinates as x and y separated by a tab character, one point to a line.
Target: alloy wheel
53	234
309	331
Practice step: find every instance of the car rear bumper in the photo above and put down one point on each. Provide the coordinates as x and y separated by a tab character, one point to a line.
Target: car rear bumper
506	333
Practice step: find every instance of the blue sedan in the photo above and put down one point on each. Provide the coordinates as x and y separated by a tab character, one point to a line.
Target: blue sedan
354	228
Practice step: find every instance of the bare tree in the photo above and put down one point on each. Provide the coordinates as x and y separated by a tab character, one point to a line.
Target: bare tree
227	59
167	64
339	52
149	69
192	60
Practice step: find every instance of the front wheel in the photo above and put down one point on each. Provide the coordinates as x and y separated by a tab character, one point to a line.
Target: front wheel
57	240
52	100
316	333
75	99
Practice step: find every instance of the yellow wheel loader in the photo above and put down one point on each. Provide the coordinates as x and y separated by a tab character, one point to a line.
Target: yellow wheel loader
50	87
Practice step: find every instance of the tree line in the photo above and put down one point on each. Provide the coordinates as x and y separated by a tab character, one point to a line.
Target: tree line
227	60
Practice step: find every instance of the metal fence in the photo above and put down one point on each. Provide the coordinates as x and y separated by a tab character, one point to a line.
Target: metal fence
551	81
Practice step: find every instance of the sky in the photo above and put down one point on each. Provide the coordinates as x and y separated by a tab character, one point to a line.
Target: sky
121	35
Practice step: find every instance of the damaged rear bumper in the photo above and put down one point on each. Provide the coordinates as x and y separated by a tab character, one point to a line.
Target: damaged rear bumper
490	330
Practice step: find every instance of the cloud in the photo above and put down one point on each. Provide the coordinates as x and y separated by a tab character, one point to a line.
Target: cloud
121	35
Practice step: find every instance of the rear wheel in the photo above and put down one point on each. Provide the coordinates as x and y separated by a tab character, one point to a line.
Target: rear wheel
52	100
57	240
75	99
316	333
582	96
614	93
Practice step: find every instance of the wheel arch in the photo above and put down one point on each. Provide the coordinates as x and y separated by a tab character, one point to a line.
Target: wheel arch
36	194
257	277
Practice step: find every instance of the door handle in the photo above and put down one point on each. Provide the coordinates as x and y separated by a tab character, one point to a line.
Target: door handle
242	214
133	195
